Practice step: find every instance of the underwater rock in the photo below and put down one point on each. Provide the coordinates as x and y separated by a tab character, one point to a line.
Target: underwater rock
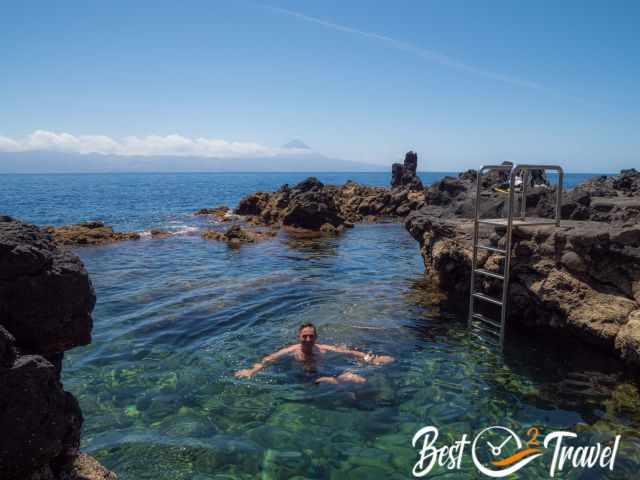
284	463
331	230
159	233
46	300
88	233
85	467
219	211
235	235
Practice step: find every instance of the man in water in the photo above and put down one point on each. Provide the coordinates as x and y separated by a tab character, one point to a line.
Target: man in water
310	353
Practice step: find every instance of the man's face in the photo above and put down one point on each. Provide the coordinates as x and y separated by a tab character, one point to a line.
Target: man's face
307	337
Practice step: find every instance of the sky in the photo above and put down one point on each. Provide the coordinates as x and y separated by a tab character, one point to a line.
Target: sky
462	83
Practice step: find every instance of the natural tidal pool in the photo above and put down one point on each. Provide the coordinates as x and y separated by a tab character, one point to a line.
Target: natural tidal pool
176	317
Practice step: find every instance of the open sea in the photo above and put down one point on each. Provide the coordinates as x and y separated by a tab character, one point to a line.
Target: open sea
175	317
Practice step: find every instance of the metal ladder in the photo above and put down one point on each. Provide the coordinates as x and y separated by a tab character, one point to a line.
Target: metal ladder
478	323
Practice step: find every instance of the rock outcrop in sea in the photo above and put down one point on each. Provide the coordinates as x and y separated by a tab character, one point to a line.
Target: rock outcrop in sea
313	206
46	300
405	174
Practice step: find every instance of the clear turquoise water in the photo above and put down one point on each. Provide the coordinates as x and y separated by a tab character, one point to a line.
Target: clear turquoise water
177	316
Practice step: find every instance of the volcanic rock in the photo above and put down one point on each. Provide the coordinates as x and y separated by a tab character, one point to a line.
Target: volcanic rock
235	235
404	175
46	299
220	211
580	279
89	233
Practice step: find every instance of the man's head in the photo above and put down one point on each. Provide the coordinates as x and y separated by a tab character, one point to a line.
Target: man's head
307	335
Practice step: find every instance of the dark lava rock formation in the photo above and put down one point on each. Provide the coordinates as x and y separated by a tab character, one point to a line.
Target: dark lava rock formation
312	205
46	300
308	205
404	175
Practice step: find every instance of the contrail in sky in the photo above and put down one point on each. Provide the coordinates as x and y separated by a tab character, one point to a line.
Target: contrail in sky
423	53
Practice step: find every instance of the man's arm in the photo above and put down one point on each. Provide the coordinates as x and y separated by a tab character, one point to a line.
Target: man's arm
365	357
275	356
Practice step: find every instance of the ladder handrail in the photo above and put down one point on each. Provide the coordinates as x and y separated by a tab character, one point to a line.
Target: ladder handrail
526	168
513	170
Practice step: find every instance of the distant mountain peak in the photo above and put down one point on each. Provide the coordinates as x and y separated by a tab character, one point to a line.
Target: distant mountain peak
296	144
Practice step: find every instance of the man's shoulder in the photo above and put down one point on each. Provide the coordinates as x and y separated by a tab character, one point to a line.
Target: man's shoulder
291	348
326	347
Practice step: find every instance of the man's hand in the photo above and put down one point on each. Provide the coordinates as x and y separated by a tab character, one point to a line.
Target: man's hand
247	372
381	359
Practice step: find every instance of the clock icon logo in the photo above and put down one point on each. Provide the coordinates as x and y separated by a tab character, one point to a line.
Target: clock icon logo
498	452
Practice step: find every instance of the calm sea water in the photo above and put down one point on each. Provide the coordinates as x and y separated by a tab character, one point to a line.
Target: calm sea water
177	316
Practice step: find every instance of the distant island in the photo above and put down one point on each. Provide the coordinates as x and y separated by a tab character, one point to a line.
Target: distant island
294	156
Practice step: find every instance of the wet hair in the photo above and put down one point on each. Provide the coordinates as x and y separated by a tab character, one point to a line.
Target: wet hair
308	324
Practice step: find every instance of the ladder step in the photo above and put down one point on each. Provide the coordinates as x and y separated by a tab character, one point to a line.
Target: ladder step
484	338
488	321
492	249
493	221
482	329
487	273
487	298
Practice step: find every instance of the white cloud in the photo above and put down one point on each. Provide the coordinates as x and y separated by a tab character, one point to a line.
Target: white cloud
151	145
8	144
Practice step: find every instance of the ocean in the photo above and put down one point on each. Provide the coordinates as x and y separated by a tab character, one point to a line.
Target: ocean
176	317
140	201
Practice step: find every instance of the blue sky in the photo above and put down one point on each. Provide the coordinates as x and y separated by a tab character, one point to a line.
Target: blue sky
462	83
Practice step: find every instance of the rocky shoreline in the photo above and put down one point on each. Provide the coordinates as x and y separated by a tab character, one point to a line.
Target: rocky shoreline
46	300
580	280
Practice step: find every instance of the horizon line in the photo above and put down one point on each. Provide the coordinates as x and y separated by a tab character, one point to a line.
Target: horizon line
243	172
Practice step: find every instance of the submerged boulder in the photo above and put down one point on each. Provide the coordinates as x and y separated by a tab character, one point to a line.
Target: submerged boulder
235	235
220	211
